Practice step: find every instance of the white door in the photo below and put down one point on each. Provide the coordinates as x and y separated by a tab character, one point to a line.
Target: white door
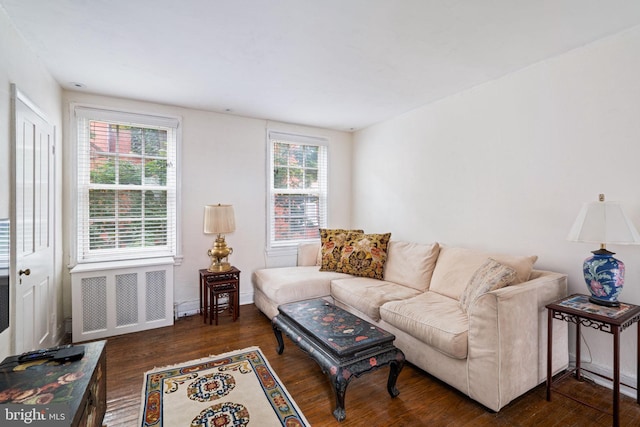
34	287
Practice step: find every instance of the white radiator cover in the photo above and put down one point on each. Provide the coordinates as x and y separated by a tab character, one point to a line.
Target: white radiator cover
114	298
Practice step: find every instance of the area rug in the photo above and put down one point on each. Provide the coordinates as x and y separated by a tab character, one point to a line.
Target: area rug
232	389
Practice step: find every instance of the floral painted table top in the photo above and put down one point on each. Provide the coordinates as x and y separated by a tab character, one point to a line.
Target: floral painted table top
336	328
43	382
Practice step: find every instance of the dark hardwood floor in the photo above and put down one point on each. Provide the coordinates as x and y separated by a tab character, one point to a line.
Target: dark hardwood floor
423	400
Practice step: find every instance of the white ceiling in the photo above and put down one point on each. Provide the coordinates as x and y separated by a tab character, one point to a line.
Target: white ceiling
341	64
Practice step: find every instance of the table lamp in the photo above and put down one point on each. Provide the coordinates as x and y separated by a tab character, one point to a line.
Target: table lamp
219	219
604	223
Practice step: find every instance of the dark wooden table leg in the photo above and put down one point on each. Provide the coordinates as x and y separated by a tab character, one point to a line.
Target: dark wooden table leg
616	376
549	352
578	355
278	334
340	384
395	367
203	304
206	302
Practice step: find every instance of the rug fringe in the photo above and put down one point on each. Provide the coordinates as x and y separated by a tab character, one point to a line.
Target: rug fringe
229	353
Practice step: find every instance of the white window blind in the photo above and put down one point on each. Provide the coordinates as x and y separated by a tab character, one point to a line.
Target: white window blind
126	185
4	245
297	188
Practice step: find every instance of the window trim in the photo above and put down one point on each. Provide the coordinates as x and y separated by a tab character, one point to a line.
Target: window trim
124	115
290	248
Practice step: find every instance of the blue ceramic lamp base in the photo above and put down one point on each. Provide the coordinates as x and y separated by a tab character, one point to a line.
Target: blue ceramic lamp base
604	276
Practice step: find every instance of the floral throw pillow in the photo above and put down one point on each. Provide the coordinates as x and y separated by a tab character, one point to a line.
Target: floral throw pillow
488	277
332	241
365	255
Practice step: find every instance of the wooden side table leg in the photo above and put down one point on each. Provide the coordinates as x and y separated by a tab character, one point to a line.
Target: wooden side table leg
616	376
205	292
236	305
578	356
216	307
549	351
201	284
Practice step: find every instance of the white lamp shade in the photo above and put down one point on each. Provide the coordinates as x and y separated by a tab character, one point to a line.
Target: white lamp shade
603	222
219	219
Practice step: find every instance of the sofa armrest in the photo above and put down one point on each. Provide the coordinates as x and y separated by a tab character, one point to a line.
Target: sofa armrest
508	339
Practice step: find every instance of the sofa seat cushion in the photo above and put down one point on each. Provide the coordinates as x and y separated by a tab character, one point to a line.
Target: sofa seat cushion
367	295
434	319
289	284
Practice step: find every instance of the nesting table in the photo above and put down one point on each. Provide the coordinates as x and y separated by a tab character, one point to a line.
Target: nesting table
215	286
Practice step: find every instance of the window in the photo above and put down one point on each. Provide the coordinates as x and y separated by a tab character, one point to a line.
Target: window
4	247
126	185
297	189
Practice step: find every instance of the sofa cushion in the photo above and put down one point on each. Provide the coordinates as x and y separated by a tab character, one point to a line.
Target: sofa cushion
365	255
411	264
332	241
434	319
367	295
456	266
490	276
309	254
289	284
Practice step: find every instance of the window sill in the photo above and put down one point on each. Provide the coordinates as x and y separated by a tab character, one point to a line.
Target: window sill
282	251
112	265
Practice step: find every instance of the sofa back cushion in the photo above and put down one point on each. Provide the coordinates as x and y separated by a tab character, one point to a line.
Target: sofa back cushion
309	254
411	264
456	266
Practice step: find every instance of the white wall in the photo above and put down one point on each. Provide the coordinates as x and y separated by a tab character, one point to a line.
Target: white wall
223	161
506	165
20	66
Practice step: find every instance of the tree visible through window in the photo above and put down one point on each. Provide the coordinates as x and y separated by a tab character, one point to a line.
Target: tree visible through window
126	176
298	188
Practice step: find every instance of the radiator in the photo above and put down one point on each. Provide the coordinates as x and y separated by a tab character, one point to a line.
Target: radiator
116	298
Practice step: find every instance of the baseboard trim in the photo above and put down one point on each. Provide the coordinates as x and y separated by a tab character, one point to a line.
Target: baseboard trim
628	384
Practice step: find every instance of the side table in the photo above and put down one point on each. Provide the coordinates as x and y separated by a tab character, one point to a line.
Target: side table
578	310
217	284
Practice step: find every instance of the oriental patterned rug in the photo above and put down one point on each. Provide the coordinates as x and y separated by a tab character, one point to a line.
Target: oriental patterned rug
230	389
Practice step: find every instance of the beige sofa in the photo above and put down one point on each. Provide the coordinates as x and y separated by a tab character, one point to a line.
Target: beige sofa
493	350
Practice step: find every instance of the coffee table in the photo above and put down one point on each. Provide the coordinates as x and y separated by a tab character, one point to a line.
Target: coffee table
344	345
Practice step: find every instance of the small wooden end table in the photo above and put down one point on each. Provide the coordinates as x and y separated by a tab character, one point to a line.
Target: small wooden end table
344	345
215	285
578	310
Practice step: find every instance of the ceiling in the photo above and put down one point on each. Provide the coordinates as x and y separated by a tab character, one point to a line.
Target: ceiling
339	64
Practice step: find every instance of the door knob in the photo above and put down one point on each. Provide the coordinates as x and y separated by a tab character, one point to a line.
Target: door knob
25	272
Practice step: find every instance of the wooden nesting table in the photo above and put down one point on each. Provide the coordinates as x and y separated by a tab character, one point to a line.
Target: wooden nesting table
215	285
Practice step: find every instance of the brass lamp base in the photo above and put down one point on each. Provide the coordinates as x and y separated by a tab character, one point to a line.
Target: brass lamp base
217	267
219	252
